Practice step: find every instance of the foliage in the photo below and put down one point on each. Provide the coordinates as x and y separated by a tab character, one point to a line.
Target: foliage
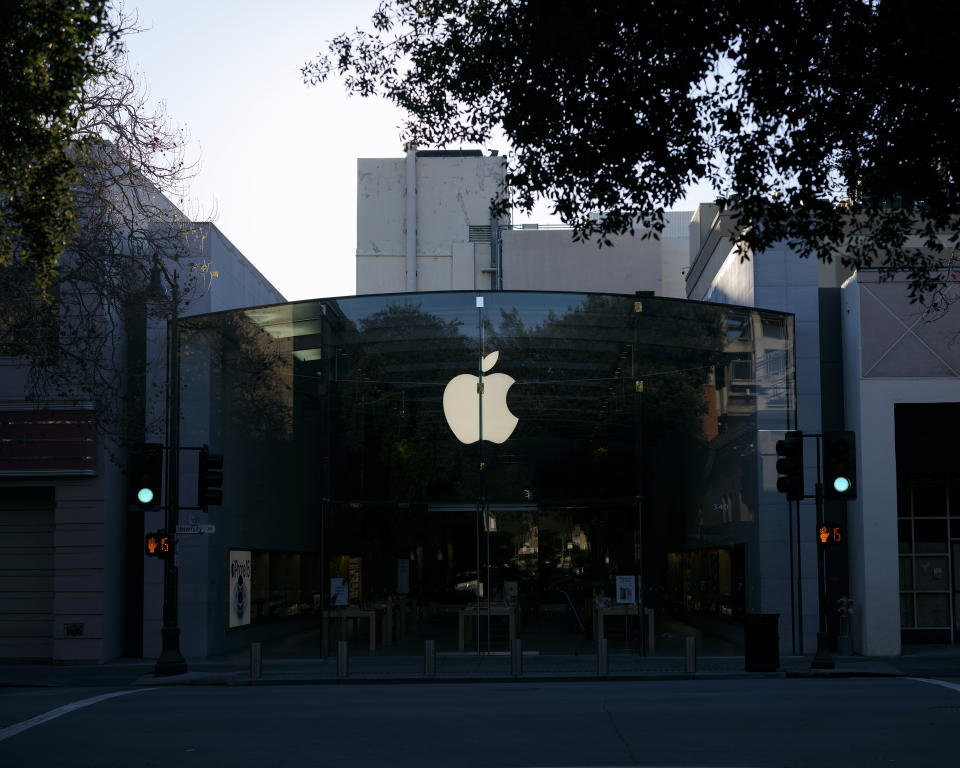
132	252
48	51
829	125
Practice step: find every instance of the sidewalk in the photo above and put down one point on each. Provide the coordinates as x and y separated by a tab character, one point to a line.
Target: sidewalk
927	661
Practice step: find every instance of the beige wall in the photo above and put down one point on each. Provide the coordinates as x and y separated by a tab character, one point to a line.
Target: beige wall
453	194
550	260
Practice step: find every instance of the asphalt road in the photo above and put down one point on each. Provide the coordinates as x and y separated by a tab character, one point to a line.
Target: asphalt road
768	722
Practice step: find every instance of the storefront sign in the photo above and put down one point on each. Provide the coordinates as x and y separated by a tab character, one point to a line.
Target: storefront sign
461	405
238	592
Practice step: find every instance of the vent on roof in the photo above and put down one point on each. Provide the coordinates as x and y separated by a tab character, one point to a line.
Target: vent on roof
479	233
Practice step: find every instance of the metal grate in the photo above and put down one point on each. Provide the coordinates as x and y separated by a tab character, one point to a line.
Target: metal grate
479	233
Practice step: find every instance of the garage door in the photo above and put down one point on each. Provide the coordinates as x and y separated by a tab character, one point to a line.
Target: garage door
26	573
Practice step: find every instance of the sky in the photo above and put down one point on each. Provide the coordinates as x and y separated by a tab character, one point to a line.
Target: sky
277	158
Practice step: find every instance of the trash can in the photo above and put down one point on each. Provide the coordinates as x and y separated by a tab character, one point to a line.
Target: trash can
761	642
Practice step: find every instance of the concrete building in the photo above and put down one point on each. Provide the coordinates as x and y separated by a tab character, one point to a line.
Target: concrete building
436	204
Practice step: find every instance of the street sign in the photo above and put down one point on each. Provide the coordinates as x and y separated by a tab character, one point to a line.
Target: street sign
193	530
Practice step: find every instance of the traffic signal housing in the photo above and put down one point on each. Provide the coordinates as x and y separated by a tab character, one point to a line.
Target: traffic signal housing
209	478
839	465
158	544
790	465
145	475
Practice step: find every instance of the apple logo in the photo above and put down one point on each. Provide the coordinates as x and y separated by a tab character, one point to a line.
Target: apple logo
461	408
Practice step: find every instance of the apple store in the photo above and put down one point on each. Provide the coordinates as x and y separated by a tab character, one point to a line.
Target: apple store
471	468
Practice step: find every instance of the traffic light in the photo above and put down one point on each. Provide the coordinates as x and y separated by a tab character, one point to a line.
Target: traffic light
209	478
829	534
158	544
839	465
145	475
790	465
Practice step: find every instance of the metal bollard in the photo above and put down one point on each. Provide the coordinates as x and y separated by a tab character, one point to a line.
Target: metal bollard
651	634
343	658
690	660
256	661
602	657
429	657
516	658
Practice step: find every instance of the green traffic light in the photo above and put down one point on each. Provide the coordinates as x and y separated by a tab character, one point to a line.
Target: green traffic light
145	495
841	484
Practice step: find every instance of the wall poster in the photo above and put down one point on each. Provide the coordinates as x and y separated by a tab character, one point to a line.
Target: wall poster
238	591
626	589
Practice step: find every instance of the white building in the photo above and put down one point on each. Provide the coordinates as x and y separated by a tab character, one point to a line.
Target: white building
436	204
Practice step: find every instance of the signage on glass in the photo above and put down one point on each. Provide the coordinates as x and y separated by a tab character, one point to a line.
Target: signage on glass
465	396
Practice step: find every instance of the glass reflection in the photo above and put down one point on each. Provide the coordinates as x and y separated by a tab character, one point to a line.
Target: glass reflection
634	455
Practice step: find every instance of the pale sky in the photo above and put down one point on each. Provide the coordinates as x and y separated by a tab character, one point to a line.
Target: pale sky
277	158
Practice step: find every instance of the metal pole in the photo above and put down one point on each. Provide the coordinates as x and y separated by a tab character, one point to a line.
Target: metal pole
602	656
486	517
822	659
256	661
481	507
171	661
799	582
793	610
429	658
325	582
690	659
343	657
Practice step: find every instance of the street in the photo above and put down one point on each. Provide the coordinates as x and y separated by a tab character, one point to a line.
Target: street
767	722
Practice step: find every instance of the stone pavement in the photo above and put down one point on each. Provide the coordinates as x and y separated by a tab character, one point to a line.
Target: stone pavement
926	661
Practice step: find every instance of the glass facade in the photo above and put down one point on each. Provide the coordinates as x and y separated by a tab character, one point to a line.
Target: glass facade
522	456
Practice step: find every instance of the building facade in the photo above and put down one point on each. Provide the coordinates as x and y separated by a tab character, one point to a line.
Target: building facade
71	564
366	473
871	361
436	204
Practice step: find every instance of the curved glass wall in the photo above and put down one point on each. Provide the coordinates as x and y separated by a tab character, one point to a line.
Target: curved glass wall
425	458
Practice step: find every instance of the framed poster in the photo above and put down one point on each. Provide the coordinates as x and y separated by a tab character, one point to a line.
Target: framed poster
626	589
338	592
238	592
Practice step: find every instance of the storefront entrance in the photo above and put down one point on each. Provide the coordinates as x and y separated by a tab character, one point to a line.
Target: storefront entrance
538	573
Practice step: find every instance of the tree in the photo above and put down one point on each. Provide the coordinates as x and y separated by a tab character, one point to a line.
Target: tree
132	253
48	51
830	125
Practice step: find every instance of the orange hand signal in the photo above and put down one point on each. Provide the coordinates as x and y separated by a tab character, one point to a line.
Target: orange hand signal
152	544
824	534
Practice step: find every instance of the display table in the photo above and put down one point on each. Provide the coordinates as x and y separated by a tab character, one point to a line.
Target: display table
495	609
600	612
353	612
388	609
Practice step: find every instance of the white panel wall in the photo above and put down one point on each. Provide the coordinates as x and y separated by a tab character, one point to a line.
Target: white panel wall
380	196
453	193
381	274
